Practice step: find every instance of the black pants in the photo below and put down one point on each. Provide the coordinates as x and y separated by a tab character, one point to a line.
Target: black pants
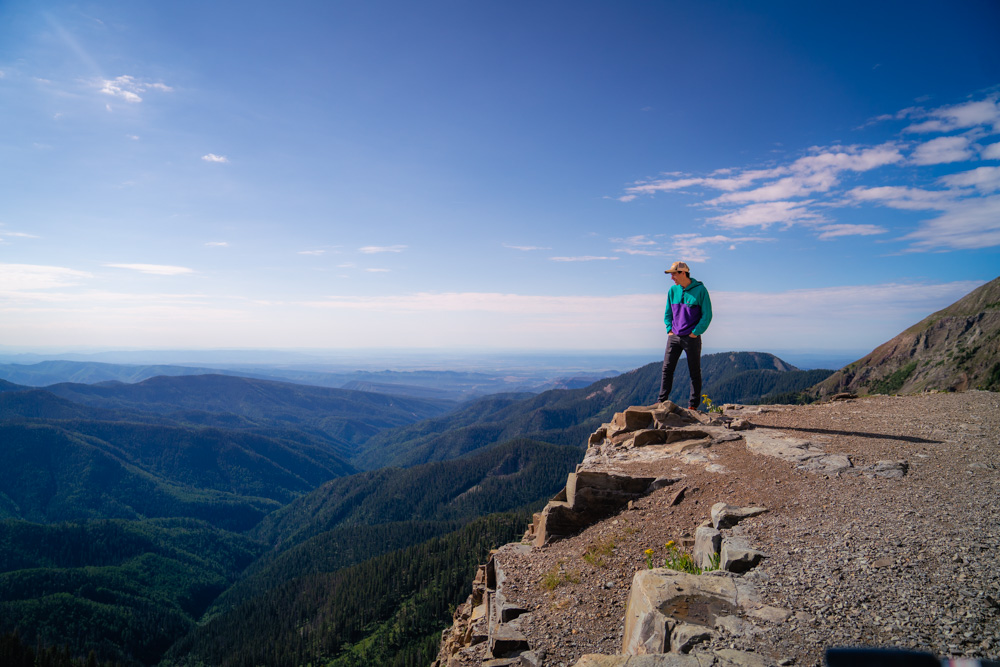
692	350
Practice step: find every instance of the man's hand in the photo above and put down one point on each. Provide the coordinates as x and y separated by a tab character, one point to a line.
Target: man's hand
693	336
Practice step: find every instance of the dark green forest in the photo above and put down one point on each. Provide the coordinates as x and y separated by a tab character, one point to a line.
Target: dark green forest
225	520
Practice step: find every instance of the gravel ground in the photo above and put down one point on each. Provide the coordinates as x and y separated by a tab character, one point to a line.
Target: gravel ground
859	560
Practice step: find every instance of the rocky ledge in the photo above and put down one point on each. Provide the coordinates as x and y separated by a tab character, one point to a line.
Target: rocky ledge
858	522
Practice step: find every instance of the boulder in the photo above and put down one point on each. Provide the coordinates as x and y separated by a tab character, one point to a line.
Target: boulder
688	635
891	469
736	555
661	599
632	419
770	614
707	545
727	516
806	454
588	498
649	437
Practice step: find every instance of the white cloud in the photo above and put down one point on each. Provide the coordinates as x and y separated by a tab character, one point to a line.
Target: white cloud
218	244
960	116
16	278
312	252
378	270
833	231
768	213
582	258
983	178
212	157
965	225
991	152
128	88
909	199
373	249
942	150
154	269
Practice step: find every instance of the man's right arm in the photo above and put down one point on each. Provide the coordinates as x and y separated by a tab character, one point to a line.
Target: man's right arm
668	316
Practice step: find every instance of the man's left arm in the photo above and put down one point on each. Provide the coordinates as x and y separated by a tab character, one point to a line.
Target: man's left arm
706	313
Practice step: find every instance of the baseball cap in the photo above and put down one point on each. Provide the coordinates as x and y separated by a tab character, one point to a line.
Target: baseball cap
677	267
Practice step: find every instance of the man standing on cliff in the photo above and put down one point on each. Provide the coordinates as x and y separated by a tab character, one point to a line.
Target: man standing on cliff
689	312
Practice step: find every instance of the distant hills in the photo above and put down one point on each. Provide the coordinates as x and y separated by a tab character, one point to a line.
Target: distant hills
954	349
446	385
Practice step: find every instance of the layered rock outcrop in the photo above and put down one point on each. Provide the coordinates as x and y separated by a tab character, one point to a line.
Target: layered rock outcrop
657	624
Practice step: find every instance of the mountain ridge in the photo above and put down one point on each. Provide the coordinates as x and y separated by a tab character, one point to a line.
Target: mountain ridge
953	349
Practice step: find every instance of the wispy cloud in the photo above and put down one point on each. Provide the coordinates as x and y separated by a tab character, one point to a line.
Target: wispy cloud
4	233
218	244
30	277
374	249
582	258
965	225
212	157
693	247
154	269
312	252
828	232
638	245
958	117
986	179
765	214
943	150
128	88
525	248
904	198
378	270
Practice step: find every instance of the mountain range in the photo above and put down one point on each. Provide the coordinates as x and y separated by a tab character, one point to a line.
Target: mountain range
278	483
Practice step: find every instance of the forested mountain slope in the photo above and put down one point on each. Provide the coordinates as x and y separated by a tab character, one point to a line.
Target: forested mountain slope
354	518
126	590
350	416
388	610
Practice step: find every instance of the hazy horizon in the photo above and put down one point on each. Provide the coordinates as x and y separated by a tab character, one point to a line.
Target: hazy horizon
407	360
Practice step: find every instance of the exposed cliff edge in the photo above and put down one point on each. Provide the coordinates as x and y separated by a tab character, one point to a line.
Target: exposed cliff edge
838	523
954	349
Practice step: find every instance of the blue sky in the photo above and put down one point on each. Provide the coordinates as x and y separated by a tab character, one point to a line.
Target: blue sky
491	175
